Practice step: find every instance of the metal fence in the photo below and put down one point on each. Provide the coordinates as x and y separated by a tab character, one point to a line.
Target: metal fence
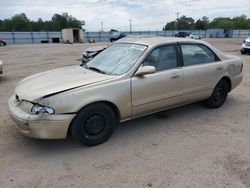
44	37
49	37
31	37
104	36
241	33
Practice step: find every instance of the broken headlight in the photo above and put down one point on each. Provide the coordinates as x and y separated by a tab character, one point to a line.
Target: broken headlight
36	110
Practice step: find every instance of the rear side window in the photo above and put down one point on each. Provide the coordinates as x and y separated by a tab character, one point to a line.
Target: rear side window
194	54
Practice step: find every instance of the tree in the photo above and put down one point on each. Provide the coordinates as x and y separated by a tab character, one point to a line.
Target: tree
241	22
20	22
170	26
38	25
185	23
202	24
65	21
222	22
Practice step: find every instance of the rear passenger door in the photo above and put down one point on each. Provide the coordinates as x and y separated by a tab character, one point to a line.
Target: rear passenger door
202	69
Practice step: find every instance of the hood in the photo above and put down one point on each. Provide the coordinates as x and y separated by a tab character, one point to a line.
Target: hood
51	82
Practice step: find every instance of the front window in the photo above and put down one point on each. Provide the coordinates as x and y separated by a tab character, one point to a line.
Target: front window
162	58
117	59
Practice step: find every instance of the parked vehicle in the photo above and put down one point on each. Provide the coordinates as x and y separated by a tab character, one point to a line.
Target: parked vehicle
182	34
245	46
2	42
131	78
90	53
1	67
194	36
116	36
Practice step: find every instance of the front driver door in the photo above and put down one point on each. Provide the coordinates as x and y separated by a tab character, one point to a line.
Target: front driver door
163	89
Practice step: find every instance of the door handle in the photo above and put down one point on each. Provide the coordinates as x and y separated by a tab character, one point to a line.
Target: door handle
175	76
219	68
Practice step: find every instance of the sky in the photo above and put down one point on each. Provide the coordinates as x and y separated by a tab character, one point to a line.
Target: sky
115	14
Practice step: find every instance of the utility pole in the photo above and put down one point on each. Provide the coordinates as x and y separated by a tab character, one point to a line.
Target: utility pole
177	17
130	25
101	26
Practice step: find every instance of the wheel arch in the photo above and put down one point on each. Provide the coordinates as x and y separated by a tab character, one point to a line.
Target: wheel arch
108	103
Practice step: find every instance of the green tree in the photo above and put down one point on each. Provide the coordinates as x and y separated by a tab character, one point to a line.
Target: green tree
19	22
202	23
170	26
185	23
65	21
241	22
38	25
222	22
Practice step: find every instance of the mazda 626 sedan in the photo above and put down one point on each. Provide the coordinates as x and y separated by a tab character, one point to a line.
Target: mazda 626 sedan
133	77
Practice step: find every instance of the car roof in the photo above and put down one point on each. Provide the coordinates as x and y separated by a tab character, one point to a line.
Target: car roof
154	40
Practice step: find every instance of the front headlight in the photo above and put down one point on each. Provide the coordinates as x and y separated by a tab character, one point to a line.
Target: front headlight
36	110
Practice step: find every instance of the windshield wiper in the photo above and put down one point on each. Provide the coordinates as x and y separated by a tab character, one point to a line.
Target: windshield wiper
96	69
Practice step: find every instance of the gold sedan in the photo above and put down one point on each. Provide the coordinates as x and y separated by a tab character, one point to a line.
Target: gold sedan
133	77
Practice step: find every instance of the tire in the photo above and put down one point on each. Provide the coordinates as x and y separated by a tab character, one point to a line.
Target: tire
219	95
94	124
243	52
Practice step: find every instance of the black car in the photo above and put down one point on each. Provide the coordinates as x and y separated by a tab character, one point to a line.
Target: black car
116	36
182	34
2	42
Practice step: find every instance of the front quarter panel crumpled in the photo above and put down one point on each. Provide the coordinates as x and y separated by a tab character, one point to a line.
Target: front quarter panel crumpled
116	92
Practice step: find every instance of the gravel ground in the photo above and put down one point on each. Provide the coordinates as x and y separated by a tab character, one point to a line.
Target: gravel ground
190	146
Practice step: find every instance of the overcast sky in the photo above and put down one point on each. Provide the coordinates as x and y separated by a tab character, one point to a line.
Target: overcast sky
145	14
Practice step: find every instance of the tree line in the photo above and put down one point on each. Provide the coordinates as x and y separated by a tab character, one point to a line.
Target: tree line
20	22
188	23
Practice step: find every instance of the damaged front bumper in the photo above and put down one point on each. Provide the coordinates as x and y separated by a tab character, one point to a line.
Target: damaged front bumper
42	126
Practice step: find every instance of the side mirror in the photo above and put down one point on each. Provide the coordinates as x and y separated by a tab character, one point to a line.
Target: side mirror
144	70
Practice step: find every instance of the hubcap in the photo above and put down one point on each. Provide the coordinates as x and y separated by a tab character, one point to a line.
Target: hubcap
219	94
94	124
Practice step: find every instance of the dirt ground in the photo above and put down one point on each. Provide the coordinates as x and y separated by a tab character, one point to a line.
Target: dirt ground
190	146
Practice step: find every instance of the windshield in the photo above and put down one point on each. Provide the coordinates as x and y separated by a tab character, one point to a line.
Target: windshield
117	59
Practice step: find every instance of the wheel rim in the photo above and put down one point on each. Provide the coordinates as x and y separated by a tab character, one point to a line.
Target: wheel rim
219	95
94	125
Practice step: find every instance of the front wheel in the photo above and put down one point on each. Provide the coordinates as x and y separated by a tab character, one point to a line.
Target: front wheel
94	124
219	95
243	52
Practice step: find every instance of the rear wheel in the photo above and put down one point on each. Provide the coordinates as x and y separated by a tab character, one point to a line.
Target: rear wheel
219	95
94	124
